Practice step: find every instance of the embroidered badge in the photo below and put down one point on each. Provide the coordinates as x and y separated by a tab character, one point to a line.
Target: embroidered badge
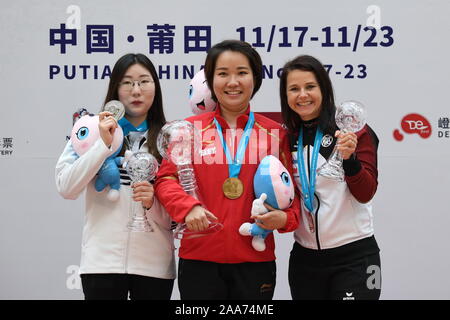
327	140
208	151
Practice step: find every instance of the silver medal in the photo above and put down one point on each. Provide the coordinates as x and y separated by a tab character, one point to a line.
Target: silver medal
116	108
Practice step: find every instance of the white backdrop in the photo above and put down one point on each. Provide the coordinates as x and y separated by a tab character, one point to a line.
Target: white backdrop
393	75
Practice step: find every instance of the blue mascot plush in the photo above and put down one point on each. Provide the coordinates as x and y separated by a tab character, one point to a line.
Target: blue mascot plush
272	185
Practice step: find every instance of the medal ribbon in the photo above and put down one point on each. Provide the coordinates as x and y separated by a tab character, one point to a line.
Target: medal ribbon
308	187
234	167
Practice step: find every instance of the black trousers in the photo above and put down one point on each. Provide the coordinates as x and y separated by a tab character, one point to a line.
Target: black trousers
111	286
202	280
315	275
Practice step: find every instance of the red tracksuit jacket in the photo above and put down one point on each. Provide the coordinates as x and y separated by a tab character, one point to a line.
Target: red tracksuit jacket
227	245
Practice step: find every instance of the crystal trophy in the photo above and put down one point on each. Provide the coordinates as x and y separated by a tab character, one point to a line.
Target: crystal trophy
141	166
350	117
179	142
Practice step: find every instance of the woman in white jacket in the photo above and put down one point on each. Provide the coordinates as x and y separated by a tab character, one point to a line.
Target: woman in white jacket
117	263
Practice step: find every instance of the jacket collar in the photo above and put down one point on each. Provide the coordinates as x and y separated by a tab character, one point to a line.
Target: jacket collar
311	123
241	121
127	127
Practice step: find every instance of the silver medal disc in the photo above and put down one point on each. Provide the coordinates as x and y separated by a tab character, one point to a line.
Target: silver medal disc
116	108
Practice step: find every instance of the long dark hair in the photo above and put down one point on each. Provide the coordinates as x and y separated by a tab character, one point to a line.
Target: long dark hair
328	108
155	116
242	47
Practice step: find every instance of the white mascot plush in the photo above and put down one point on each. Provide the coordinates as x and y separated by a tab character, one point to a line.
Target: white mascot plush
200	99
85	133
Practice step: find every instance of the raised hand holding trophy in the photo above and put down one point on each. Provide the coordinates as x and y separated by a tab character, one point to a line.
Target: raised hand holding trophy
178	142
141	166
350	117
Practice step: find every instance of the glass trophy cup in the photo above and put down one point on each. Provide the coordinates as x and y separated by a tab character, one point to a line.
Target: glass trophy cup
179	141
141	166
350	117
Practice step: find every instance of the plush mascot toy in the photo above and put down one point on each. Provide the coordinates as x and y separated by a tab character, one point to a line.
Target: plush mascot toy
272	184
199	94
85	133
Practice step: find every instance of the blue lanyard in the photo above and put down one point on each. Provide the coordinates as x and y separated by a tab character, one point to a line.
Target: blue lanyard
308	188
234	167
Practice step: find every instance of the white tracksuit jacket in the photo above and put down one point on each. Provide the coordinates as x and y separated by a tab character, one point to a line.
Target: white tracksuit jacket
108	246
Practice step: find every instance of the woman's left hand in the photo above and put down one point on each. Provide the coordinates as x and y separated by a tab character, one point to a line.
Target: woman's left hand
274	219
346	143
144	192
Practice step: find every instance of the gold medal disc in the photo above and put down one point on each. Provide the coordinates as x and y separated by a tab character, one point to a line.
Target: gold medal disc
233	188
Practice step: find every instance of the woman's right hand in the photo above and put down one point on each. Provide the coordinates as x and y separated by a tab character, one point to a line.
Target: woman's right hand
107	125
198	219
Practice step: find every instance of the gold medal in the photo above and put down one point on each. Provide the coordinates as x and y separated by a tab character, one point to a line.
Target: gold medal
233	188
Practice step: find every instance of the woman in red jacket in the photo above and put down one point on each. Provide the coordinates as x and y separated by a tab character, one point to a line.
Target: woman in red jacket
224	265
